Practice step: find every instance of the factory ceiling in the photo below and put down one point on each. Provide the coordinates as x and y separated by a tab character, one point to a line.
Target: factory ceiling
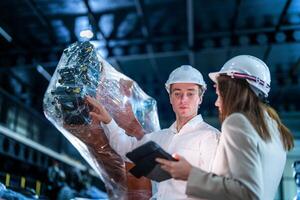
147	39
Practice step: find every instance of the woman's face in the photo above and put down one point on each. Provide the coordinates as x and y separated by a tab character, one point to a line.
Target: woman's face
218	102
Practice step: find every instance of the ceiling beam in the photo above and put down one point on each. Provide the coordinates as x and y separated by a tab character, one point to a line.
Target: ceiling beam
191	30
16	42
294	72
135	28
53	64
116	59
11	55
94	23
5	35
140	12
112	10
118	19
70	25
42	19
277	27
234	20
146	33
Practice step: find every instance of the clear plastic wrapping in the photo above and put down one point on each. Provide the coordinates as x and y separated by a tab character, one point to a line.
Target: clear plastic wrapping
8	194
80	72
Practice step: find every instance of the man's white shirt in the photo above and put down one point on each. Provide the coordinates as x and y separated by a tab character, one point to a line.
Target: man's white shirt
196	142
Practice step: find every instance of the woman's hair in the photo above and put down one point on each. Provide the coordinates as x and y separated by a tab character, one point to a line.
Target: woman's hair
237	96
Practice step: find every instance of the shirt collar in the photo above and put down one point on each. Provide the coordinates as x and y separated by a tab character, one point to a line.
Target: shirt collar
189	125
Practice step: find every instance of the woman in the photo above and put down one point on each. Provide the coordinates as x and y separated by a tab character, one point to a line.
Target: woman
251	154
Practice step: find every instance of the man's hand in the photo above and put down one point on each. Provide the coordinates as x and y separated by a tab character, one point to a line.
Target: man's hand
98	113
178	169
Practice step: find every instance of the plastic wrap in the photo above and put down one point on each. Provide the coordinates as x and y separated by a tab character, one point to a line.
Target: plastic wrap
8	194
80	72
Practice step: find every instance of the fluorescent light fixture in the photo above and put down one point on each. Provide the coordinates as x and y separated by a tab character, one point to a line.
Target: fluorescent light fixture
44	73
5	34
86	34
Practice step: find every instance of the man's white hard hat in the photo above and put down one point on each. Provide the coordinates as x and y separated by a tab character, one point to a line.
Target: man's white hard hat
185	74
254	70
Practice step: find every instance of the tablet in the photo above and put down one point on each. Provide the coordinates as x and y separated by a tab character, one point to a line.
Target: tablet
145	164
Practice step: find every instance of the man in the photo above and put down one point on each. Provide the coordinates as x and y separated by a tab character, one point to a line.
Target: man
189	135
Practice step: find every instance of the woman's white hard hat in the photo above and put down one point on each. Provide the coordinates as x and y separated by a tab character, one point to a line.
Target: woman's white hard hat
254	70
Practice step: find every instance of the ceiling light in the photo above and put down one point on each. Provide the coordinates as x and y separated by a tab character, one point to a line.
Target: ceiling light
43	72
280	37
5	34
262	39
86	34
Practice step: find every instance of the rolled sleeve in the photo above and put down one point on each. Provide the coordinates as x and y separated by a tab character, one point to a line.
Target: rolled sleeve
118	139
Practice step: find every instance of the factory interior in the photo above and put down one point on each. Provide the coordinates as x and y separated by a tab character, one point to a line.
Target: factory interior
145	40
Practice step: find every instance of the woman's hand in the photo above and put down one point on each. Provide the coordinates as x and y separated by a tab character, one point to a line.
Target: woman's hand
98	112
178	169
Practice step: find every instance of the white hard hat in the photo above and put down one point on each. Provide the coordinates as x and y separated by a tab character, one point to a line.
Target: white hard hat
254	70
185	74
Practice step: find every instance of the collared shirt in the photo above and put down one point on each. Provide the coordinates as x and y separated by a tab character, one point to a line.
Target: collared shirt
196	142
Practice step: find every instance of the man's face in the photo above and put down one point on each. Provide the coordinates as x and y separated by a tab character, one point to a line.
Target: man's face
185	99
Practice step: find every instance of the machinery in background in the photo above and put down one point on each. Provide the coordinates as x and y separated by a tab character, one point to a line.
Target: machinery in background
31	171
29	145
296	167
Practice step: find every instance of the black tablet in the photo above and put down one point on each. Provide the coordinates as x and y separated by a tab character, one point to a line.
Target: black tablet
145	164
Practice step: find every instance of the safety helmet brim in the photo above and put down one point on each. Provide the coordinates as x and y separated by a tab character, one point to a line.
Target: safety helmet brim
213	76
168	85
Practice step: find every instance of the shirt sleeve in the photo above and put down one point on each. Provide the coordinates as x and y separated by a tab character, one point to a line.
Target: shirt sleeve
210	186
208	150
119	140
244	180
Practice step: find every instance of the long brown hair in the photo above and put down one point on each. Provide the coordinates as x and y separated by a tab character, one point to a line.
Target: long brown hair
237	96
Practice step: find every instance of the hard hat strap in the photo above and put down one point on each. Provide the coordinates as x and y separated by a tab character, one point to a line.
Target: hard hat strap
248	77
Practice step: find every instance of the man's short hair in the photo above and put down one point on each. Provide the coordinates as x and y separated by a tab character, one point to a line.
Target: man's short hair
201	90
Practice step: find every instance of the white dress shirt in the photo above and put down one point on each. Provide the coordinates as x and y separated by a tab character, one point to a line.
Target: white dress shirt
196	142
246	166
